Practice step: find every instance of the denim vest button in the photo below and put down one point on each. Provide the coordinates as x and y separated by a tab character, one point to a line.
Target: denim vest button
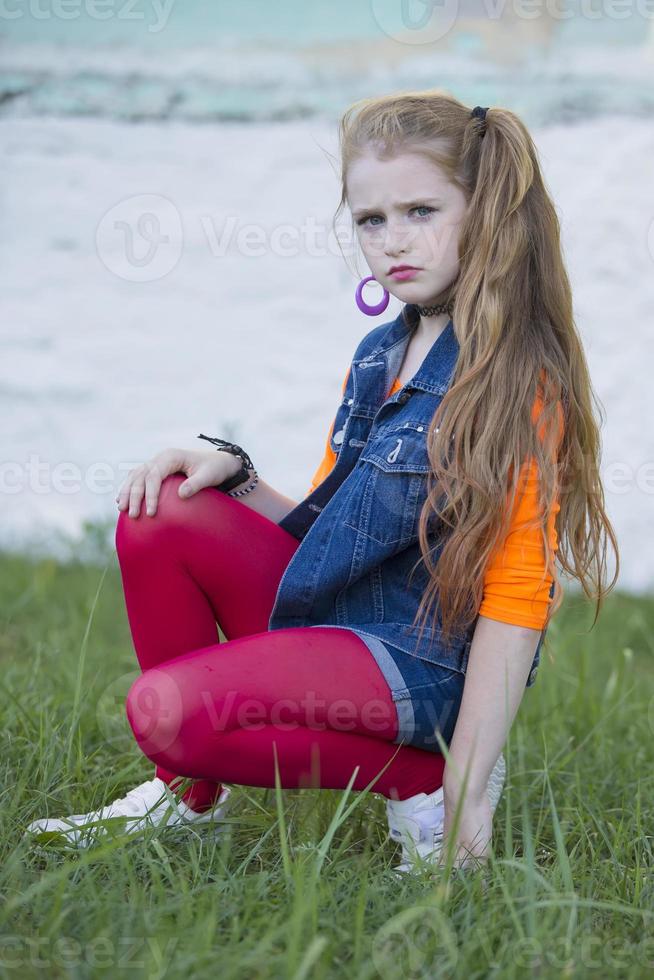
338	438
350	401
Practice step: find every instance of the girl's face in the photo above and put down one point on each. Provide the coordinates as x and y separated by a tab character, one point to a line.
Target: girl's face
407	212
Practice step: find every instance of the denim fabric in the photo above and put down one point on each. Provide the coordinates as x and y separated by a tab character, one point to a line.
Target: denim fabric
428	700
359	528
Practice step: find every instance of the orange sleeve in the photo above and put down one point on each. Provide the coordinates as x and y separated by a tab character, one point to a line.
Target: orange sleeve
516	590
329	459
327	464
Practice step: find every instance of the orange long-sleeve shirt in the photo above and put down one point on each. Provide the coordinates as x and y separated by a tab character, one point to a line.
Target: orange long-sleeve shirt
516	590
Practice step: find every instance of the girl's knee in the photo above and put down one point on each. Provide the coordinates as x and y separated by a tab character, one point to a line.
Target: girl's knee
155	711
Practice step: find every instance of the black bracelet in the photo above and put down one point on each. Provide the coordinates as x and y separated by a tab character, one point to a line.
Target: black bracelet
240	493
244	472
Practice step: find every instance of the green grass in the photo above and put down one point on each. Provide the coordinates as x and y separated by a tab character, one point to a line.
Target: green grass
300	887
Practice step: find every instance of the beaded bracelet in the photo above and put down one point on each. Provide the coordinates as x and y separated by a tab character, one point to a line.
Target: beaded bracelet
239	493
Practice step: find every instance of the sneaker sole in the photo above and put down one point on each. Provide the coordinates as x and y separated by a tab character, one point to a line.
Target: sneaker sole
50	841
116	828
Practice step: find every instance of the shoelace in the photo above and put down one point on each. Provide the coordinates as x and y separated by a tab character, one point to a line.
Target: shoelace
134	799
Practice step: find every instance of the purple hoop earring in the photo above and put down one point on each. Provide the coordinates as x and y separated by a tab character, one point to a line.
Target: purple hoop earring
365	307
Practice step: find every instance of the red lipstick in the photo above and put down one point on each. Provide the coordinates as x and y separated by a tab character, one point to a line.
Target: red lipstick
403	271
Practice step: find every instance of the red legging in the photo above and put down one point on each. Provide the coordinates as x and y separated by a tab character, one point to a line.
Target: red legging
213	711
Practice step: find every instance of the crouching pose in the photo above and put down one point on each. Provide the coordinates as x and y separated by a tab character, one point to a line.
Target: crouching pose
381	632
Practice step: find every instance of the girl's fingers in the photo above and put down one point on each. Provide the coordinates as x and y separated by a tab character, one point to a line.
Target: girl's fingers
125	493
146	480
135	497
122	497
152	488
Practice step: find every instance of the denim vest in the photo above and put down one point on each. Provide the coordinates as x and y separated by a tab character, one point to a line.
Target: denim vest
359	528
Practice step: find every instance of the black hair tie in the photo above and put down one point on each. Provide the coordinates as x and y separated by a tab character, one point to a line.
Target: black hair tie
479	112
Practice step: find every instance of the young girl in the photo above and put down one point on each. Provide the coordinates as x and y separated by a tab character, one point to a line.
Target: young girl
452	475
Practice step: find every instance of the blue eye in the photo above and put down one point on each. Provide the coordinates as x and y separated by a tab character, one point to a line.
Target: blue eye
363	221
419	207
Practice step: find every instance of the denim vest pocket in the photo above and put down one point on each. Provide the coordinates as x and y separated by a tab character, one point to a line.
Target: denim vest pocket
393	468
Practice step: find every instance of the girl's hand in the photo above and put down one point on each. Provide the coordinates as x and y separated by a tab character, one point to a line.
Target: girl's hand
474	832
203	469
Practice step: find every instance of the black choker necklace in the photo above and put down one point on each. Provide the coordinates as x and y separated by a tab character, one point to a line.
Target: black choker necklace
439	308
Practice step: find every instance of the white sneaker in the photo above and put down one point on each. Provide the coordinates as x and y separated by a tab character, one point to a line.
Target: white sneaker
151	804
417	822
